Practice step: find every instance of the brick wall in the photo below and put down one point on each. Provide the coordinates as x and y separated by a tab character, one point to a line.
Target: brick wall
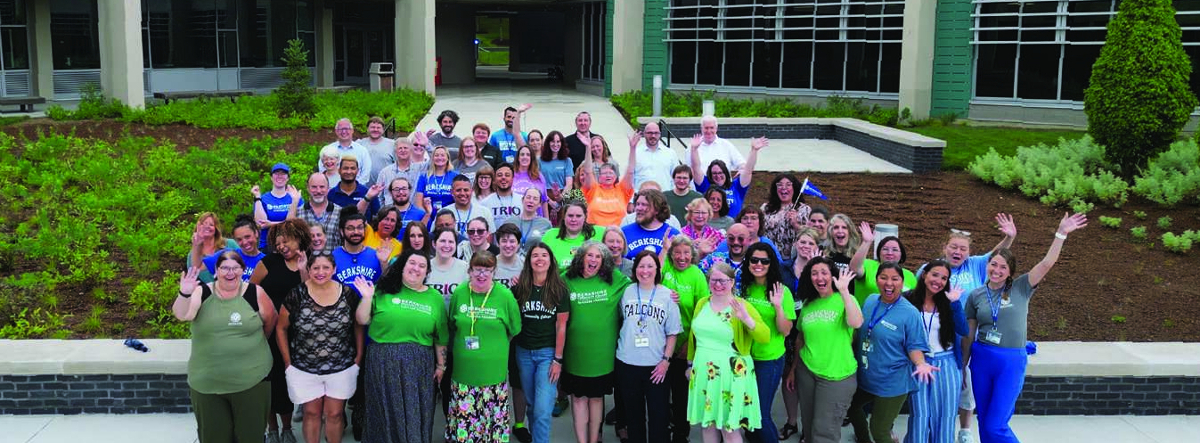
1110	396
94	394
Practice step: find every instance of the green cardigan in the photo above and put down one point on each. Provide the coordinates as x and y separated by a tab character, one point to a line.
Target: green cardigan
742	337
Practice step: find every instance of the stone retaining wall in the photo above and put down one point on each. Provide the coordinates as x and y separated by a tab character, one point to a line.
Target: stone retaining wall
94	394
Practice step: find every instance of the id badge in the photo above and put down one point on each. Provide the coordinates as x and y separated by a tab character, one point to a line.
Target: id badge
992	337
864	361
866	347
472	342
641	341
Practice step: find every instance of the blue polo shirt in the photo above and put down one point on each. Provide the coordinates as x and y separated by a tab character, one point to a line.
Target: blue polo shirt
337	197
894	333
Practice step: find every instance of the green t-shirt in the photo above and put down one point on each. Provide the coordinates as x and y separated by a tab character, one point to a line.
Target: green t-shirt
497	321
229	350
564	250
691	286
827	338
409	317
865	285
592	331
538	321
756	295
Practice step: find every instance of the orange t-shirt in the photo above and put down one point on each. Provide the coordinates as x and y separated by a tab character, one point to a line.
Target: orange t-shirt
606	207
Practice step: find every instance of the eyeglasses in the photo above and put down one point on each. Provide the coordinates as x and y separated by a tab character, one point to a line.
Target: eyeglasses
961	232
481	271
759	261
735	239
476	231
721	281
355	228
230	269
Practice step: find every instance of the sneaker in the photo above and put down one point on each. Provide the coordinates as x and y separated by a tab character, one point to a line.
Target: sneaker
522	434
964	436
272	437
559	407
286	436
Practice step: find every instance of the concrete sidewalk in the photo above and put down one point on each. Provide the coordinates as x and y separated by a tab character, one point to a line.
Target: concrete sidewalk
180	428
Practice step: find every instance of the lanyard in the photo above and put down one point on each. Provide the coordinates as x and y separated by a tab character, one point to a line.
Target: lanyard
995	305
642	312
932	318
474	313
875	320
460	217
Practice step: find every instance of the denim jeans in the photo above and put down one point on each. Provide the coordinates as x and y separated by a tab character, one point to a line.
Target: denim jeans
768	374
534	366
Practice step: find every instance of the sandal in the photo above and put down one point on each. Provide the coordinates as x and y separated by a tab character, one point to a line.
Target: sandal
787	431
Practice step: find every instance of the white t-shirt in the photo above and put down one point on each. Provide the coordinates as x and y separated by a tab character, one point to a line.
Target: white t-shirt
720	149
933	328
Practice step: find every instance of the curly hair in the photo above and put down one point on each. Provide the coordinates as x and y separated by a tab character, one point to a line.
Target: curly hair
606	263
293	229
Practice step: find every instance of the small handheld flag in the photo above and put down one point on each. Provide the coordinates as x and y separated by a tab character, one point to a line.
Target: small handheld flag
810	189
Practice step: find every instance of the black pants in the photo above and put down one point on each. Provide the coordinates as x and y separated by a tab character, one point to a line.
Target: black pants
639	397
678	382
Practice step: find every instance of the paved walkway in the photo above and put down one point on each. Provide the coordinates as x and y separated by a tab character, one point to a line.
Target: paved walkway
554	108
180	428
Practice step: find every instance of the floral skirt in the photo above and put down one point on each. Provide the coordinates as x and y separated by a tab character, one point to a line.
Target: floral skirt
478	414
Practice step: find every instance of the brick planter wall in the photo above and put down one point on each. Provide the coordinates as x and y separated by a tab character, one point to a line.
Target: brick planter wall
914	158
158	393
94	394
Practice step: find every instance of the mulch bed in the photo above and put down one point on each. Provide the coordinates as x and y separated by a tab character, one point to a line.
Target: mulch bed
1106	285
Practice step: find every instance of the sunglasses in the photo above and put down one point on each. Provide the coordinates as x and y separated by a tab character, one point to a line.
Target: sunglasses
759	261
476	231
960	232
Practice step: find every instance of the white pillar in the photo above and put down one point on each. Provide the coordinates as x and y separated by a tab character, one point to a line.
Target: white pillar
628	39
121	51
916	57
323	52
43	51
415	46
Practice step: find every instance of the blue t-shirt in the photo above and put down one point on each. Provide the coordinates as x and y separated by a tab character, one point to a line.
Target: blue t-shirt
277	209
337	197
507	144
736	194
895	332
210	262
412	214
437	189
555	172
969	275
350	266
639	238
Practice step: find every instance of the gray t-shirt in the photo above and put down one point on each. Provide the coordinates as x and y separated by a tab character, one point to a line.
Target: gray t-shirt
531	230
652	320
506	273
383	153
413	173
469	171
451	143
445	280
1012	313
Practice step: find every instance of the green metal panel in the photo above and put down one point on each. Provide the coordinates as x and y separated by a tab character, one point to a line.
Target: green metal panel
608	46
654	49
952	58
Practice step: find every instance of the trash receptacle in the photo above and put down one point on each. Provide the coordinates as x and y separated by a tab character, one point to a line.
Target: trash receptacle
382	76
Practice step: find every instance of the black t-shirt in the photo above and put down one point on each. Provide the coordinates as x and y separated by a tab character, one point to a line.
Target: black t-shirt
279	280
492	155
577	147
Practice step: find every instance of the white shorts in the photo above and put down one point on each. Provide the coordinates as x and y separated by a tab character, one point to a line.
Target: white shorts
304	387
966	400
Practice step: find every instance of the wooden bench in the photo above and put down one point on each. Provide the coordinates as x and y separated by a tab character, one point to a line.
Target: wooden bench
232	94
338	89
25	103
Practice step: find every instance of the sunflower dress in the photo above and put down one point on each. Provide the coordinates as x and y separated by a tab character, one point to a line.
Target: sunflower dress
724	391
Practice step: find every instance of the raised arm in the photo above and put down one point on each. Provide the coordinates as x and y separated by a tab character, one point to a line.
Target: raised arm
186	307
517	137
747	173
1008	228
854	316
295	206
627	178
1068	225
260	212
860	255
698	171
589	175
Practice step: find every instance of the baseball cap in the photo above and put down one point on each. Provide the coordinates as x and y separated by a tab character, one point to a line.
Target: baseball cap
281	166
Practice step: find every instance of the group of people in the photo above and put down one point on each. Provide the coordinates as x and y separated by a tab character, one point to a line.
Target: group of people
530	273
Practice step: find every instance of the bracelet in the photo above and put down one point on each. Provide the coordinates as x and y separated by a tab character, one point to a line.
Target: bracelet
184	295
440	368
666	359
1060	235
257	199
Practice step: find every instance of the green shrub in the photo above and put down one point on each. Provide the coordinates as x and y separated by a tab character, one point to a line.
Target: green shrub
1164	222
295	96
92	105
1140	215
1179	244
1138	232
1173	177
634	104
20	296
1071	173
32	324
1138	97
1112	222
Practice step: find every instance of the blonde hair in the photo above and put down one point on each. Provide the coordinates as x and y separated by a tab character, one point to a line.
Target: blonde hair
700	204
852	240
619	232
449	164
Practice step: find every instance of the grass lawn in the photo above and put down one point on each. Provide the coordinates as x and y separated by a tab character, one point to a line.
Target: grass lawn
964	143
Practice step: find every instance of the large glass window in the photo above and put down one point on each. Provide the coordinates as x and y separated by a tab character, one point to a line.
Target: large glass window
828	45
1043	50
74	34
14	35
223	33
